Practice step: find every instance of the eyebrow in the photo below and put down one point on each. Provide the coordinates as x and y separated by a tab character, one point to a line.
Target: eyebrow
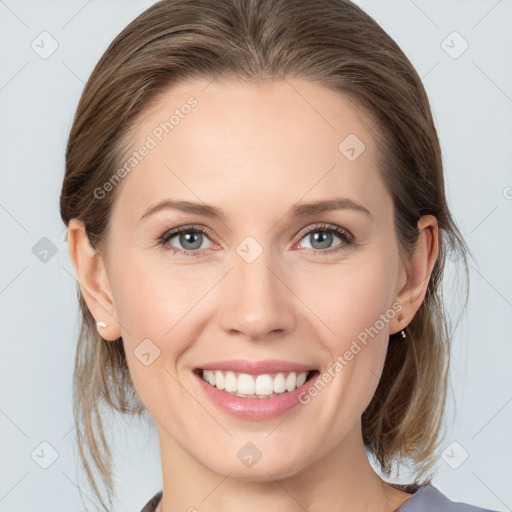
298	210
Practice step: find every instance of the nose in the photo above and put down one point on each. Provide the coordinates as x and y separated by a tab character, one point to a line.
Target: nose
257	299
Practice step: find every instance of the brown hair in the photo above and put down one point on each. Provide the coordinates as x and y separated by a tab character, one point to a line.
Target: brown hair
333	43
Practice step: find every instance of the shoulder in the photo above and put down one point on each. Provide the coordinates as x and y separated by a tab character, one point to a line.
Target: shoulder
151	505
427	498
424	499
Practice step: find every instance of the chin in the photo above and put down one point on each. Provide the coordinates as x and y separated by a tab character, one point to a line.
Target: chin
267	469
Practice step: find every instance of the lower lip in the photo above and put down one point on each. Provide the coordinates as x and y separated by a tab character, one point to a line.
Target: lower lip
254	408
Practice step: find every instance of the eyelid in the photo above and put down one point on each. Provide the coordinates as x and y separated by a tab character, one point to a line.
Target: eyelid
190	227
171	233
322	226
342	233
348	240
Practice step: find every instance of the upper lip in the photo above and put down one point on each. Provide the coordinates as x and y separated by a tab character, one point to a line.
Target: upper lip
256	367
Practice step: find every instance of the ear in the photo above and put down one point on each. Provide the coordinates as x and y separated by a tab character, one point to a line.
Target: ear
418	270
92	278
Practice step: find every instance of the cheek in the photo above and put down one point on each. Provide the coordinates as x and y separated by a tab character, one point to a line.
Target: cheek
152	298
155	307
350	297
148	296
159	302
356	307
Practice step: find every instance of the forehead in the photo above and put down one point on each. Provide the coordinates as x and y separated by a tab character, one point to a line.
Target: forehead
279	140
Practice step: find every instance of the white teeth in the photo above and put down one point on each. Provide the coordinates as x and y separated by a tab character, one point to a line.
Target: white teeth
262	386
291	382
279	383
219	380
246	384
230	383
301	378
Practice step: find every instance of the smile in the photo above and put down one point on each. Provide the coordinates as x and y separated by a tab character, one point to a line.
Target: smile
254	396
255	386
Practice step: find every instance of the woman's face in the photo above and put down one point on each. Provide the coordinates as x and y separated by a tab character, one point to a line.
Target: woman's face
267	280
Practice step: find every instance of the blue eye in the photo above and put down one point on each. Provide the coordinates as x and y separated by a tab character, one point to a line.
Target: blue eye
323	235
191	239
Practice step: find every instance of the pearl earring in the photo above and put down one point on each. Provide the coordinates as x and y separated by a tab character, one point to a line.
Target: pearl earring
102	324
402	332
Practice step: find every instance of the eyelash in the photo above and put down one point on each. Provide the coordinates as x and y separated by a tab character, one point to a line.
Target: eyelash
344	235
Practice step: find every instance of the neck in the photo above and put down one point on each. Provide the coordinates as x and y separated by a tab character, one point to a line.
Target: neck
341	480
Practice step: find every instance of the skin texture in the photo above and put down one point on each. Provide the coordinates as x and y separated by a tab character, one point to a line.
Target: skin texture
254	151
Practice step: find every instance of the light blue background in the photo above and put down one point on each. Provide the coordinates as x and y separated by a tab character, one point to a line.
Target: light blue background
472	103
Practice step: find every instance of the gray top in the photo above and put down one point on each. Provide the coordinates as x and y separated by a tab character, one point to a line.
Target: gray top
429	499
425	498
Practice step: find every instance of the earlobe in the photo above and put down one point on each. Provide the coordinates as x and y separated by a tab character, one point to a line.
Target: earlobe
91	274
418	271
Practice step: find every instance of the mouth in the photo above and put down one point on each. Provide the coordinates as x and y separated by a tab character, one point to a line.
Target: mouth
261	385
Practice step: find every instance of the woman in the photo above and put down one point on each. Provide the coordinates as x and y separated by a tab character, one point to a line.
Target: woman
256	215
